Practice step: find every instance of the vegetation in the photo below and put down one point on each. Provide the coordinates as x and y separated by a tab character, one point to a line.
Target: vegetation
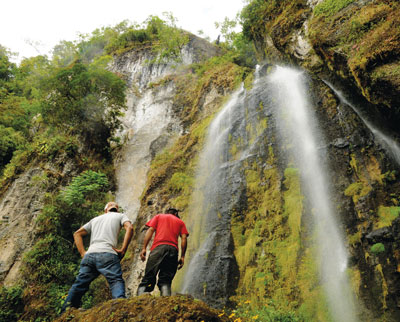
330	7
11	304
62	110
377	248
162	36
277	19
240	49
51	265
67	108
267	313
360	43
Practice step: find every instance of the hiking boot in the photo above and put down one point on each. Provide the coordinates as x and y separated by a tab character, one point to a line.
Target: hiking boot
141	290
165	290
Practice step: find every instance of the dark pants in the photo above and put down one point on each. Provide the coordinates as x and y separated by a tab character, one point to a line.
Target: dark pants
163	260
92	265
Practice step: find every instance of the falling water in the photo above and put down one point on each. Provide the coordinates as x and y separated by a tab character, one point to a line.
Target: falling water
214	260
211	272
297	125
385	141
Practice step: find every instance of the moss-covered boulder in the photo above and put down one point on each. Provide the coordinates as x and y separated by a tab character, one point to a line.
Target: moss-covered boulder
147	308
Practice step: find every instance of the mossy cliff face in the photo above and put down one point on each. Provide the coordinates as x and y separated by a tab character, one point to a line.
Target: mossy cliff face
354	42
365	185
360	42
28	183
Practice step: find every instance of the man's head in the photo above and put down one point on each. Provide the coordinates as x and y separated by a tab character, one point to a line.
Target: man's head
173	211
111	206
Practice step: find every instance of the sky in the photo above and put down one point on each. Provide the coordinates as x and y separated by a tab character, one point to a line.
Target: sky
34	27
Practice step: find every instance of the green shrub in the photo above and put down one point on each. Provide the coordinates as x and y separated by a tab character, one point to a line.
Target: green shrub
263	314
85	187
128	39
11	305
10	141
51	261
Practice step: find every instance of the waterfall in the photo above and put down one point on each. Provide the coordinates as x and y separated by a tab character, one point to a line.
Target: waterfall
298	126
390	145
213	259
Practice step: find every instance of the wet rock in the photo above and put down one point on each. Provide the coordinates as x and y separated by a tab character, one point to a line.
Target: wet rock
340	143
380	235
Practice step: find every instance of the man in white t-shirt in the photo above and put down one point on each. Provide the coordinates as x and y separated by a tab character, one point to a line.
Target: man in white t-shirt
102	256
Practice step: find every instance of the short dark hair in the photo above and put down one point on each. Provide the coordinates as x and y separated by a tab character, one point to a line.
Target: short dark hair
173	211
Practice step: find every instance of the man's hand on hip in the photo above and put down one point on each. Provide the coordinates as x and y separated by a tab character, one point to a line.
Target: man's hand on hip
120	252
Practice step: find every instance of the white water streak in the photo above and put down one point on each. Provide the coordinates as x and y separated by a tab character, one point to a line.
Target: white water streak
213	156
298	127
387	143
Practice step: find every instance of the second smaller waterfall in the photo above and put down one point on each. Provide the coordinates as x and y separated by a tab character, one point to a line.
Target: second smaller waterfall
390	145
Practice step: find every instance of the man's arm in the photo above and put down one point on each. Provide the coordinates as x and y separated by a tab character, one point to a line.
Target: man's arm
147	238
181	261
78	238
127	239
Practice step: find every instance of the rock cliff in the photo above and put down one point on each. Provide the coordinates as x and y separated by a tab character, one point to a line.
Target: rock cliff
350	50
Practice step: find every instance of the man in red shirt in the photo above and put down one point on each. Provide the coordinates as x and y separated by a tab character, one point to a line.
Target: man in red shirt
163	259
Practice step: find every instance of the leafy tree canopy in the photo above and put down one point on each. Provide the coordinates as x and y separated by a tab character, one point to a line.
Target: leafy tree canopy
240	48
87	99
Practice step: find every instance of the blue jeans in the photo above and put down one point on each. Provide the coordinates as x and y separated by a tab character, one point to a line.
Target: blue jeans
92	265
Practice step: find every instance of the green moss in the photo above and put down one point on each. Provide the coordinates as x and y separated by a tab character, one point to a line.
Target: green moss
360	43
331	7
248	82
386	215
377	248
355	238
275	266
180	182
384	286
357	190
276	19
268	312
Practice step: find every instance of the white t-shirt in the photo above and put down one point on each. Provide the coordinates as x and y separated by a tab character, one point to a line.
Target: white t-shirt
104	231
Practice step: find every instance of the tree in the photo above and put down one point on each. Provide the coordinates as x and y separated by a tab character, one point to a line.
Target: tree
241	49
85	99
7	71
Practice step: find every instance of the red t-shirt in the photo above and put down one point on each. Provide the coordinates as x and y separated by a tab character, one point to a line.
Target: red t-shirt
168	228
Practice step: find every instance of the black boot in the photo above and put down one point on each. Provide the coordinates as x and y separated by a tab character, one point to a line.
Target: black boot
165	290
141	290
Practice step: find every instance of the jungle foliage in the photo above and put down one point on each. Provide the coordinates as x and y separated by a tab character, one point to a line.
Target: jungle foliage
62	109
